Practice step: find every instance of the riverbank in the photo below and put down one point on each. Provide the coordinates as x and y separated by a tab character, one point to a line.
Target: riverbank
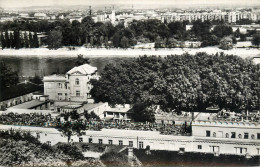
102	52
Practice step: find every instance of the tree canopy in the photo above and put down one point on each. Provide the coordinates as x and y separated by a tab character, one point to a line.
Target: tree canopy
181	82
8	76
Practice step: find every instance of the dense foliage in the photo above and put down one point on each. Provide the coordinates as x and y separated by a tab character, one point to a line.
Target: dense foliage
181	82
8	76
114	159
19	40
91	34
31	119
22	148
173	158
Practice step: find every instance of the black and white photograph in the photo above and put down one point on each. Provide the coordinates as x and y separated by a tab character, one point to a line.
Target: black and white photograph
89	83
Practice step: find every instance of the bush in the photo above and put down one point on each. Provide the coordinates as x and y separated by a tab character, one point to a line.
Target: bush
114	159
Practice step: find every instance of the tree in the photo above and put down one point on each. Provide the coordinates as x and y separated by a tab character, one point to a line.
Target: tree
8	77
256	40
81	60
143	112
172	43
212	40
7	40
114	159
124	42
12	41
116	39
36	79
66	129
222	30
226	43
17	40
237	33
158	42
54	39
242	37
30	40
201	29
35	40
26	41
3	41
180	83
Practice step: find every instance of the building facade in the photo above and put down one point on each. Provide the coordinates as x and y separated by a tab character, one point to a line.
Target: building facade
153	139
73	86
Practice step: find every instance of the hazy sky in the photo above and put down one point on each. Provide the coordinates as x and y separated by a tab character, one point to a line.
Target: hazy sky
177	3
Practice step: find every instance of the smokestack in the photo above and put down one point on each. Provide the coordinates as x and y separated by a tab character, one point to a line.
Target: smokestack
90	12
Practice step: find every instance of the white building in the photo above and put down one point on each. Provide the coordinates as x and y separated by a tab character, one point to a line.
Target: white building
73	86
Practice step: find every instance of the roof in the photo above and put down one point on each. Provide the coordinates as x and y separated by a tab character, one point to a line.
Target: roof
65	103
90	106
28	104
118	110
72	106
27	111
19	90
54	77
29	128
84	69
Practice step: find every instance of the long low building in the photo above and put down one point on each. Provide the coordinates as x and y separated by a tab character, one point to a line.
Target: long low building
153	139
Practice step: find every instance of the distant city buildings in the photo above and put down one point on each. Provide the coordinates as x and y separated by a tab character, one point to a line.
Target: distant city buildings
127	16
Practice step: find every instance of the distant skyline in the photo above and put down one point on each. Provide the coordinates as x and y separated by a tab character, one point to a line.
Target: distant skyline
136	3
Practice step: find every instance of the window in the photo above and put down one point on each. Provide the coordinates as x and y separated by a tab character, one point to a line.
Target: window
241	150
120	142
77	93
38	135
258	136
100	141
214	148
199	147
233	134
214	134
90	140
131	144
80	139
59	96
227	135
141	144
208	133
49	143
110	142
245	135
182	149
76	81
253	136
59	85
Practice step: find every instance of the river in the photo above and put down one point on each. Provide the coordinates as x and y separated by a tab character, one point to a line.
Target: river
31	66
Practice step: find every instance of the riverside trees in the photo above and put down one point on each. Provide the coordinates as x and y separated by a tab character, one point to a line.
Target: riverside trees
99	34
181	82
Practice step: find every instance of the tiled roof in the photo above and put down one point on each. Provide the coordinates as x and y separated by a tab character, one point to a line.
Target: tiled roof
18	90
83	69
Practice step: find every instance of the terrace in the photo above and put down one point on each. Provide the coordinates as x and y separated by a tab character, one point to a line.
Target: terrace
228	116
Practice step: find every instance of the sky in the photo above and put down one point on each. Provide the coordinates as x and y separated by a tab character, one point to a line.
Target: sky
176	3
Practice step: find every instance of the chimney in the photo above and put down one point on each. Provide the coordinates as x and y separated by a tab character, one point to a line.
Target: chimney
90	12
130	152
